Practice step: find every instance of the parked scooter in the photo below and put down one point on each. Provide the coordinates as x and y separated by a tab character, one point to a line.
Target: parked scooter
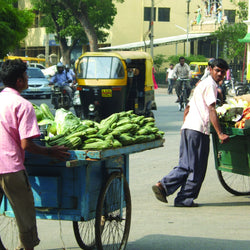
235	88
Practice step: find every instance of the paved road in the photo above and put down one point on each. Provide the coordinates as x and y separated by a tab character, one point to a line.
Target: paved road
221	222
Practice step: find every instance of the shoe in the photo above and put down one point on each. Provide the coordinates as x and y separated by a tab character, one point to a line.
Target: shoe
178	100
160	193
193	204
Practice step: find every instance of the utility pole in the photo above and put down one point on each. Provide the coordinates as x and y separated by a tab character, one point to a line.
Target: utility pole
152	30
188	12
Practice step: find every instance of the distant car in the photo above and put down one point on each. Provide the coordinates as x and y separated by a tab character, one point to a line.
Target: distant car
37	65
38	84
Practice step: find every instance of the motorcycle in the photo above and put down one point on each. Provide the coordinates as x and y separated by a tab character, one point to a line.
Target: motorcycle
235	88
60	97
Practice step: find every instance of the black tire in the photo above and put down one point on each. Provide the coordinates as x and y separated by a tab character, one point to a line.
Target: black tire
85	233
235	184
110	229
9	237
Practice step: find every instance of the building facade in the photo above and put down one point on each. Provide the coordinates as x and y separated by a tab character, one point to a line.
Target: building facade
132	24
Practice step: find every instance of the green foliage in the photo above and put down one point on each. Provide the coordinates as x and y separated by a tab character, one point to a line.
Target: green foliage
192	58
228	36
14	25
159	60
241	10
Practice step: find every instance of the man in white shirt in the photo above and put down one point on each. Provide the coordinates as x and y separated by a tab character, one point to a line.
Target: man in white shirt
194	145
170	78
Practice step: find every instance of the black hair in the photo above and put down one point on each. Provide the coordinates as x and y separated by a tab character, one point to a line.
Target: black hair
210	61
11	70
181	57
220	63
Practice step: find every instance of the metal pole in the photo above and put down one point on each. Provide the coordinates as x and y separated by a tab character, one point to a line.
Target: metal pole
152	30
188	12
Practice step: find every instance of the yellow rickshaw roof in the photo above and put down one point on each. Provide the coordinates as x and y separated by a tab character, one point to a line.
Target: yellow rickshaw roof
121	54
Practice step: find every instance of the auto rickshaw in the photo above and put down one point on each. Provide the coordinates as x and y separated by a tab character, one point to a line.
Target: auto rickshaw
111	82
197	69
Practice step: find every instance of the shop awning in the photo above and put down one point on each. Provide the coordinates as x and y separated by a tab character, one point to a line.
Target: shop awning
246	39
157	42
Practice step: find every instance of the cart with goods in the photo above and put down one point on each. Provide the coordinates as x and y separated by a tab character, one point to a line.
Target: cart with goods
91	188
232	159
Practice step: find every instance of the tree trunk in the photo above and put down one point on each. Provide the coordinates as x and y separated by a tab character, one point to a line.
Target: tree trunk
65	50
90	33
80	12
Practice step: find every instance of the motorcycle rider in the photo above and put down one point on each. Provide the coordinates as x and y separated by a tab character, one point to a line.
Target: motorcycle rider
70	73
62	79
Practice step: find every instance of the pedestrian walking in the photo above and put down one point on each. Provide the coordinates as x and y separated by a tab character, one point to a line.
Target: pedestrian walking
194	145
170	78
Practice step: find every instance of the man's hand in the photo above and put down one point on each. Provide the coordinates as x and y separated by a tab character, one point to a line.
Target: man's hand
223	138
58	152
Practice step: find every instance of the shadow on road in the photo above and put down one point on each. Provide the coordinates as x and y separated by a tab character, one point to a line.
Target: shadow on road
168	242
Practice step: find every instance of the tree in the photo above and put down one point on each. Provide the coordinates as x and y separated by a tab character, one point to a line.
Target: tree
14	26
63	24
228	34
85	21
94	16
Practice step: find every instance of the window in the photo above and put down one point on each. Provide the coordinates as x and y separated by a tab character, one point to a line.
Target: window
100	68
230	14
163	14
147	13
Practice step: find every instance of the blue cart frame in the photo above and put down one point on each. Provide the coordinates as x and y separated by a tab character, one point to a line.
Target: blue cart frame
90	186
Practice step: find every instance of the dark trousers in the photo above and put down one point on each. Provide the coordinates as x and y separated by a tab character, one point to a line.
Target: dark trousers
170	85
190	173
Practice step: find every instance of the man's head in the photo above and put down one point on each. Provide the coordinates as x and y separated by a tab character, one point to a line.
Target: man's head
13	73
218	69
181	60
60	67
210	61
171	66
67	68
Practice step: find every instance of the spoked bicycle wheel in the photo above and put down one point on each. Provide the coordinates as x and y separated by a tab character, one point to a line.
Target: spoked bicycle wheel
85	233
9	236
113	214
234	183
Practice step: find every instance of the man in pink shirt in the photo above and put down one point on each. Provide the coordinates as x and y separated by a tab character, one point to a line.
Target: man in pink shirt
18	126
194	145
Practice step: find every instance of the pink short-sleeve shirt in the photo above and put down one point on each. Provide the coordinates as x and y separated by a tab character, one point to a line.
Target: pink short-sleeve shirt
17	122
198	116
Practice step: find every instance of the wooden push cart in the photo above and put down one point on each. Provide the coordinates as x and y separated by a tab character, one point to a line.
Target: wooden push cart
91	189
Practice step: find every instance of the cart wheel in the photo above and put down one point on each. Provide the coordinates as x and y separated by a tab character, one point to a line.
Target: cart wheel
9	237
113	218
236	184
85	233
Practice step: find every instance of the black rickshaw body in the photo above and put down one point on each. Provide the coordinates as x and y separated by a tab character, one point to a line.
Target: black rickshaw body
111	82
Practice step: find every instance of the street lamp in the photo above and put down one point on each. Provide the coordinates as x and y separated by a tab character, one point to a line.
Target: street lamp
188	12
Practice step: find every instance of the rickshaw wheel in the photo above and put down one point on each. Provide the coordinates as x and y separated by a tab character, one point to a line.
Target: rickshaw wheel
9	237
85	233
113	218
234	183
